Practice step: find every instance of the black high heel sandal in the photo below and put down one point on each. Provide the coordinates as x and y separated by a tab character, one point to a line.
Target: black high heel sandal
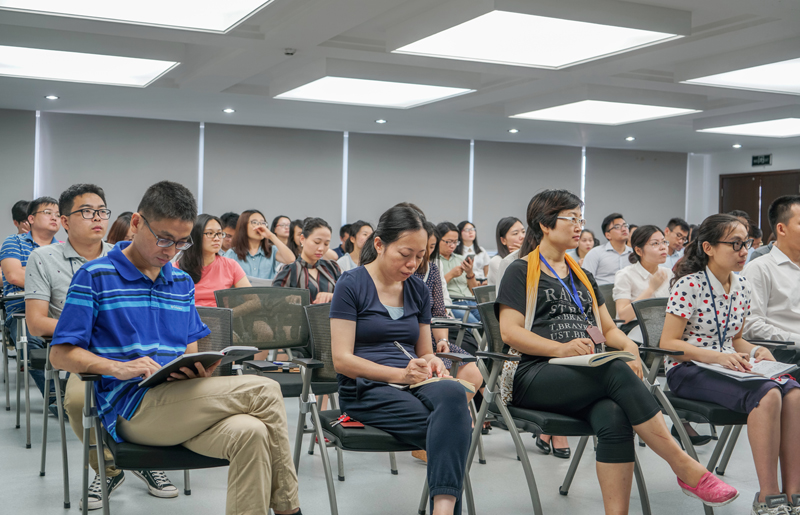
543	446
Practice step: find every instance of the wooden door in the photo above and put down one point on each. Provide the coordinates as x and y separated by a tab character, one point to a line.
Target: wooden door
773	186
739	192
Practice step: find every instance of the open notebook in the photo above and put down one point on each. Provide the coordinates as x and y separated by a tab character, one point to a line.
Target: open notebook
593	360
761	370
466	384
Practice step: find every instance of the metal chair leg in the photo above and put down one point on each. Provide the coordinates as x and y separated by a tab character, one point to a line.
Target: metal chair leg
474	413
64	457
726	456
87	431
5	365
325	460
24	340
187	483
522	453
18	383
48	376
423	502
715	454
573	466
339	463
298	437
393	463
640	484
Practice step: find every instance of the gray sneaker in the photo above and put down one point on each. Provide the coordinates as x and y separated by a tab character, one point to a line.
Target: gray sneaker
795	504
95	494
158	484
772	505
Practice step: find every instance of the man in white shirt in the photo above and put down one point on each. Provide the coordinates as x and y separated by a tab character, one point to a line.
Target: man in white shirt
606	260
774	279
676	233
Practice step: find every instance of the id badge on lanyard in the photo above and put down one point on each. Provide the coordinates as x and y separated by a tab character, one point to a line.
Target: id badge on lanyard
594	332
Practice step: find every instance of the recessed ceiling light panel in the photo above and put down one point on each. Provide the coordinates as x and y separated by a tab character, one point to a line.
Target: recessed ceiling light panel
380	121
630	138
782	128
375	93
603	113
35	63
228	111
510	38
202	15
781	77
51	97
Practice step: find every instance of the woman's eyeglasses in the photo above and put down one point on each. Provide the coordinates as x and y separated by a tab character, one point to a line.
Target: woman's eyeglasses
737	245
256	223
580	222
212	235
656	244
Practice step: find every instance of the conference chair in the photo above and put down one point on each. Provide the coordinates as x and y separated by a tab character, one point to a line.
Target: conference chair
319	369
485	293
40	360
23	377
130	456
651	314
4	339
490	363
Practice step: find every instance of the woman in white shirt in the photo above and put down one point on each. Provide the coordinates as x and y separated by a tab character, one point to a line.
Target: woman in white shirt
509	235
468	245
644	279
360	232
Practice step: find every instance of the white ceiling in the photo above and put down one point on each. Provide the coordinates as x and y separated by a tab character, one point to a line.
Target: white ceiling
236	70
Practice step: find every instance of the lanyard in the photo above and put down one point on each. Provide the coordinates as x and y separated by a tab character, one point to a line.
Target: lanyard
723	336
574	293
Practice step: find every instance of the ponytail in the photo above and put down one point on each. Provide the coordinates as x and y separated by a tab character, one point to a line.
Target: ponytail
712	230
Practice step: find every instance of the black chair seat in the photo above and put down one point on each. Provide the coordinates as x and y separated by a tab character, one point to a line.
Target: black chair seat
705	412
366	439
546	422
38	358
129	456
292	385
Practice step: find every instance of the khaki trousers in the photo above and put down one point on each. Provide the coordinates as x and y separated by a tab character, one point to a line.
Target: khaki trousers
238	418
73	407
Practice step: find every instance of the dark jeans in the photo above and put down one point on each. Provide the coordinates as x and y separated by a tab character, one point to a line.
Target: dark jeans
33	343
610	397
474	314
433	417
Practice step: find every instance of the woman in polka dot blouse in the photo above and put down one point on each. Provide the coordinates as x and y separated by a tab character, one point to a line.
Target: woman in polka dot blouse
707	306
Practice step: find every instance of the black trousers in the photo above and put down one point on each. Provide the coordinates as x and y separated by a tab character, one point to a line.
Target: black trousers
434	417
609	397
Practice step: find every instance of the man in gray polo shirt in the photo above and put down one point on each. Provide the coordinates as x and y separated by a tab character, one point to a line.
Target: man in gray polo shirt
48	275
606	260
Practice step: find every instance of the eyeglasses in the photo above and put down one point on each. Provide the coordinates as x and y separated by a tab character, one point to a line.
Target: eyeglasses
285	226
681	239
468	230
48	212
737	245
618	227
211	235
164	243
580	222
452	243
656	244
256	223
89	214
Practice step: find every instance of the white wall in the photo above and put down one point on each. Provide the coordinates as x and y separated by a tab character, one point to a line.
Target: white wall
17	129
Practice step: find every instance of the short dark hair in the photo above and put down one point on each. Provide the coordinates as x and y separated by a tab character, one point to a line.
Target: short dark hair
354	229
780	211
444	228
35	204
678	222
229	219
19	212
67	198
170	200
311	224
345	229
757	233
391	225
503	226
543	209
609	220
640	239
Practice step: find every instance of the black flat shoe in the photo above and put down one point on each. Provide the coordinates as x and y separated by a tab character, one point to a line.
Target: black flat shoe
544	447
696	440
561	453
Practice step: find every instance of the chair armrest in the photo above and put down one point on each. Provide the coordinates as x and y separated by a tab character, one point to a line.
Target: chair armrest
261	365
90	377
457	358
618	321
441	321
663	352
497	356
771	344
459	297
308	363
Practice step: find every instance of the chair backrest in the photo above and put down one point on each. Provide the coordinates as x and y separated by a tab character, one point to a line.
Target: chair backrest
319	329
651	314
267	317
220	322
485	293
491	327
607	290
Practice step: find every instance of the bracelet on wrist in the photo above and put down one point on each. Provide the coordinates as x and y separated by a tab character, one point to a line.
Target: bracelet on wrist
445	340
471	277
754	350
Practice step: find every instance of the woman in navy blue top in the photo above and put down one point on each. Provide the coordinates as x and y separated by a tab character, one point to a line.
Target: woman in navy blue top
375	305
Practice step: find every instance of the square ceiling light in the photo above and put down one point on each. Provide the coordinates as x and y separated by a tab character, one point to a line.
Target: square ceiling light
519	39
781	128
368	92
600	112
780	77
37	63
200	15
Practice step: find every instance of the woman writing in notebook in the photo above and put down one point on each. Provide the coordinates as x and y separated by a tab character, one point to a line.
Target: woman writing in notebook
706	310
375	305
549	307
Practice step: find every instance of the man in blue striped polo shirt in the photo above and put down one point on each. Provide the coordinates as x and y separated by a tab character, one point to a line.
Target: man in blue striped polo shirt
131	312
43	220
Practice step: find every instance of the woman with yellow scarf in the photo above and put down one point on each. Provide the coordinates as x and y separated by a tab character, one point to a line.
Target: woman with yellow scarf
549	307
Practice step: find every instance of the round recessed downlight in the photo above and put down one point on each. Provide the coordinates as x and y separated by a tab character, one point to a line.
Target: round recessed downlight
513	131
630	138
381	121
229	111
51	97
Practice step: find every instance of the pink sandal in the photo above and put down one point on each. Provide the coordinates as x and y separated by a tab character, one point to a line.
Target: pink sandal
711	490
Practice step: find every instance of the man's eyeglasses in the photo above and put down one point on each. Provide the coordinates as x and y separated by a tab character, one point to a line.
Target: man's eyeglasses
211	235
737	245
656	244
50	213
580	222
89	214
452	243
166	243
256	223
681	239
617	227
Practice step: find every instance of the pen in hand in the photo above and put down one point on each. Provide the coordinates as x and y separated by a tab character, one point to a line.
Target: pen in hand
408	354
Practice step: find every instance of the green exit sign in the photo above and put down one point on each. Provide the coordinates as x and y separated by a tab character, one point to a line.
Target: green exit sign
765	160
